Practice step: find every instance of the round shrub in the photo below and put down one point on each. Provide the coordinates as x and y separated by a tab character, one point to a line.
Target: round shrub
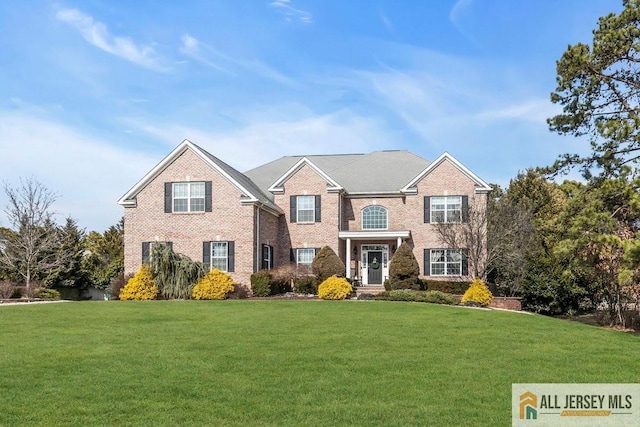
214	285
306	285
261	283
326	264
334	288
478	293
140	287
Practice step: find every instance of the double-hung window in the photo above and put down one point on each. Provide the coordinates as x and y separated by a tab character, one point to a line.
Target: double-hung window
306	209
305	256
446	209
188	196
445	262
219	255
374	218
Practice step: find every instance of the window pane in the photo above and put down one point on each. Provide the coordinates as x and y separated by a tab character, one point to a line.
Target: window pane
374	218
437	255
197	205
437	269
180	205
197	189
305	256
180	190
219	255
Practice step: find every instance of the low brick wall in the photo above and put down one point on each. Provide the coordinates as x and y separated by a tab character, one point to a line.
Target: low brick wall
507	303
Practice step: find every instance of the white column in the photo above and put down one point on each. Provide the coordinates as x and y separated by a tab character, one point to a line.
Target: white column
399	242
348	263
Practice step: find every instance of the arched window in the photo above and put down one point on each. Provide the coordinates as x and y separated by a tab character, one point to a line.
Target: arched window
374	218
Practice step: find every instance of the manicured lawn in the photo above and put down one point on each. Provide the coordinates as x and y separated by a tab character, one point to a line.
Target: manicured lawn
288	362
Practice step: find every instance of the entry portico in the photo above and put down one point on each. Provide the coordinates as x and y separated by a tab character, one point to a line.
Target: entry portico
373	247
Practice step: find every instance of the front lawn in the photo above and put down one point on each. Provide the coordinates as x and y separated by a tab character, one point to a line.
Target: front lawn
288	362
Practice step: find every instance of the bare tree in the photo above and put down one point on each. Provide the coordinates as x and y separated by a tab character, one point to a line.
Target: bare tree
30	250
469	235
496	238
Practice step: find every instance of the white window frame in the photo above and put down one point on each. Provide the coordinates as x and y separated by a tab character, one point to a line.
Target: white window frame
375	216
267	260
190	198
448	264
212	256
448	212
306	209
300	250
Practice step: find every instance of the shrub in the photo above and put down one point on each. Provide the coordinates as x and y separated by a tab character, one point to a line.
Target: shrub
366	297
434	297
404	270
46	293
306	285
446	286
117	283
6	290
261	283
239	292
478	293
334	288
282	278
326	264
140	287
214	285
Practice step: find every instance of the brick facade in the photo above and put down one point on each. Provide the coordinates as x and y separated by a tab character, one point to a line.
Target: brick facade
251	225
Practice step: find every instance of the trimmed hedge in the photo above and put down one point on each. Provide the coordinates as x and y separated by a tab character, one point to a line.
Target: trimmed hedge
448	287
261	283
434	297
306	285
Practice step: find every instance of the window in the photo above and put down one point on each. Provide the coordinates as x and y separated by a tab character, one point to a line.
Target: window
188	196
305	209
374	218
445	262
218	255
267	257
446	209
305	256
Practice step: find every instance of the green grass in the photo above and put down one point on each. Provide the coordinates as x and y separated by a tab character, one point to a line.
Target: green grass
288	362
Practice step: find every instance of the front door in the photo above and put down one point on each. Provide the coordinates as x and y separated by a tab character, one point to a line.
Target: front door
374	270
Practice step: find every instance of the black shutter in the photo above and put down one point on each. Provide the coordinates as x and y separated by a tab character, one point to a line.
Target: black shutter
168	202
145	252
231	264
271	258
207	196
206	255
170	244
292	255
318	208
293	217
465	262
264	252
427	261
465	208
427	209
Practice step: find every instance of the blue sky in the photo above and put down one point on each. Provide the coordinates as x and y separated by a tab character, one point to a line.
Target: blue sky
94	93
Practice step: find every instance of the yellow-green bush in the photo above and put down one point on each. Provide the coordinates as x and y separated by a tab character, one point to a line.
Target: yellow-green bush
478	293
214	285
140	287
334	288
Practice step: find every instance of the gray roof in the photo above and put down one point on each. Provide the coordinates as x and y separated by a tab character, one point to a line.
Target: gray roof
376	172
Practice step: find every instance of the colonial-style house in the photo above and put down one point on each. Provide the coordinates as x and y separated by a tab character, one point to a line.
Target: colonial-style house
361	205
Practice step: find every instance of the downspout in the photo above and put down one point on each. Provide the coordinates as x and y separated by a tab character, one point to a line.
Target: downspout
257	264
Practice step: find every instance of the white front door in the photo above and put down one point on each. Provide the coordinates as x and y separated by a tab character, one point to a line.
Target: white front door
375	264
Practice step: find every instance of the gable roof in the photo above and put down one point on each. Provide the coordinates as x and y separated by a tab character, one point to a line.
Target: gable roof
481	186
250	192
352	172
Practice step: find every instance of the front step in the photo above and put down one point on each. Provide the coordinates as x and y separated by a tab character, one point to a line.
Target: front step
368	289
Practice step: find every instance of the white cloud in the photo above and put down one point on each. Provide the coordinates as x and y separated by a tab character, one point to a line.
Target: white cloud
97	34
89	174
291	13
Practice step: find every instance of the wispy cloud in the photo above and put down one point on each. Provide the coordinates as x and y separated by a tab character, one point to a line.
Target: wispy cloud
211	57
291	13
97	34
457	15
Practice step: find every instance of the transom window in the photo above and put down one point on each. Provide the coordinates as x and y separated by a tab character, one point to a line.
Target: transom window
305	256
220	255
446	262
374	218
446	209
306	208
188	196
